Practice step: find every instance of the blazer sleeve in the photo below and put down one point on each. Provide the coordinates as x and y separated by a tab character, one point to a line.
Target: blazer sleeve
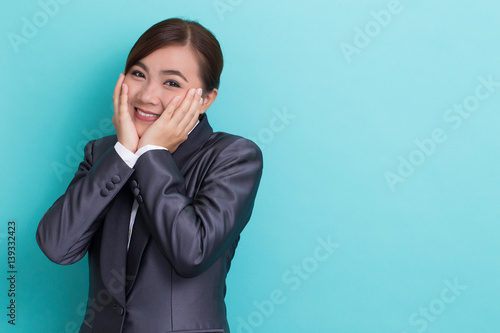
193	233
66	229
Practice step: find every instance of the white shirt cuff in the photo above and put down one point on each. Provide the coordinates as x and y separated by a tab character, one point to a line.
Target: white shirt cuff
127	156
146	148
130	158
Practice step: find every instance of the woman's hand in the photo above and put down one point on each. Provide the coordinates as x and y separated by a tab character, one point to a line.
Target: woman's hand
172	127
124	126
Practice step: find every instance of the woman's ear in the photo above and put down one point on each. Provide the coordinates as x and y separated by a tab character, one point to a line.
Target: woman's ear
208	99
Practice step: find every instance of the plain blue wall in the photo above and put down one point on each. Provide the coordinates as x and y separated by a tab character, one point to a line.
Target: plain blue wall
379	206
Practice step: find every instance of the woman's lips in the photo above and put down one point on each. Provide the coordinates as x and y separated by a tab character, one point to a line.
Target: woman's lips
145	115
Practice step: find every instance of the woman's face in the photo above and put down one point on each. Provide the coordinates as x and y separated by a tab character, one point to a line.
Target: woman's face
156	79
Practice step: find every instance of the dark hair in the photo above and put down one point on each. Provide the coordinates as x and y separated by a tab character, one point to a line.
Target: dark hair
176	31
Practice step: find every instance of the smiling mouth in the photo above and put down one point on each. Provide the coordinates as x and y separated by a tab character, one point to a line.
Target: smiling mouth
147	115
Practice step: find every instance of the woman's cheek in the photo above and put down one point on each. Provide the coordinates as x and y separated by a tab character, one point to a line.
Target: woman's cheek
168	97
131	110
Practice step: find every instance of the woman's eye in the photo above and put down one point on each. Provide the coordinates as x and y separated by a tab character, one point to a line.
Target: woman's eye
172	84
138	74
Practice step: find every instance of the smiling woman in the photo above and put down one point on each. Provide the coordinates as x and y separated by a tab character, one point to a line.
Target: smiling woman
169	60
160	206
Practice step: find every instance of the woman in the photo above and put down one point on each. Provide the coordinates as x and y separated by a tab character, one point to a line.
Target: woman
160	206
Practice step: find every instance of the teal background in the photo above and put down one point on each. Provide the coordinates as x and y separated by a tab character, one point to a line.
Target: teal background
350	118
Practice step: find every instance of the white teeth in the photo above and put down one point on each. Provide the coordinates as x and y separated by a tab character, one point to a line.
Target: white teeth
147	114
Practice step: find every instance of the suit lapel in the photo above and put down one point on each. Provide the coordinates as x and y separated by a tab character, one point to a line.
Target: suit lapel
195	142
140	237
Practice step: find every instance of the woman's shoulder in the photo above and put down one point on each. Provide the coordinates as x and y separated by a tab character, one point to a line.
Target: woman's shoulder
109	140
101	145
230	147
223	140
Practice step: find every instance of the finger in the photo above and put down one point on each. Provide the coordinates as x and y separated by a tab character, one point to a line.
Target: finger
117	91
194	120
170	109
185	106
123	107
193	112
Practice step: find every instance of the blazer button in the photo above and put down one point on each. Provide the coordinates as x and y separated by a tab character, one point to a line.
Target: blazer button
133	183
110	185
104	192
115	179
136	192
119	309
139	199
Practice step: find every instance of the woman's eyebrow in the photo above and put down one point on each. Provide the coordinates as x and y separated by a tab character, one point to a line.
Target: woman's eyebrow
164	72
140	64
173	72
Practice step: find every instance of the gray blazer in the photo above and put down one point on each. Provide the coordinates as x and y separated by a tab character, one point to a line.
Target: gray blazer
193	205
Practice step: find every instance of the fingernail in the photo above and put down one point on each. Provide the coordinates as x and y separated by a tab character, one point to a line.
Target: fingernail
192	91
199	91
177	98
201	101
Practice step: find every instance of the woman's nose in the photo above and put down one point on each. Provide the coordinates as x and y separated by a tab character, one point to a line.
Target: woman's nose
149	94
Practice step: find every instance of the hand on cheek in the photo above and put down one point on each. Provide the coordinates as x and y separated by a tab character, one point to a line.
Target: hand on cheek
124	126
172	127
